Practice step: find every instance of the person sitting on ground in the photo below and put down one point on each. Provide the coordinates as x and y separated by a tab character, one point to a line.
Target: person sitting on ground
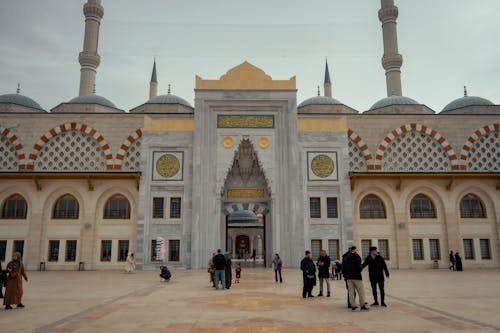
165	273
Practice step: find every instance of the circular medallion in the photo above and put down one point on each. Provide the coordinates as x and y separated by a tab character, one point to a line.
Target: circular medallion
168	165
322	166
264	142
227	142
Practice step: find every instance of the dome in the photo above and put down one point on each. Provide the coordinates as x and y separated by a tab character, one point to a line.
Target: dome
93	99
19	100
169	99
243	216
319	100
393	100
466	101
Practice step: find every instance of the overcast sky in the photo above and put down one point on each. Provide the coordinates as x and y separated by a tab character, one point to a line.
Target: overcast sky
445	44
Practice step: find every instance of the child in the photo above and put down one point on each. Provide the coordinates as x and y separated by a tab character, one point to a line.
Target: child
238	273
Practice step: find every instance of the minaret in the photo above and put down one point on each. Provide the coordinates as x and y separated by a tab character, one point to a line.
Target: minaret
153	84
89	59
392	60
328	83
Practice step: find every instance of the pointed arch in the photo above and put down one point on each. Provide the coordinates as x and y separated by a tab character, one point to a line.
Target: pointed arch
362	146
419	128
30	165
133	138
14	140
471	140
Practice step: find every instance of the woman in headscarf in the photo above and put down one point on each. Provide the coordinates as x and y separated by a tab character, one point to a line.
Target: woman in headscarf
130	263
228	269
14	285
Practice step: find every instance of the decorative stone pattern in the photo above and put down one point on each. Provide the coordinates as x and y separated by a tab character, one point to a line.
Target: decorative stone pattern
104	146
415	151
12	141
8	154
322	166
246	121
71	151
130	160
400	157
481	151
168	165
359	154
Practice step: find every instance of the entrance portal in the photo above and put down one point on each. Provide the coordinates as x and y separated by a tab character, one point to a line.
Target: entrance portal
242	246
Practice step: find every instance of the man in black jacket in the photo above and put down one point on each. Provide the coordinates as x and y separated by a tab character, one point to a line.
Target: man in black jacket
220	266
308	275
352	273
376	269
345	279
324	272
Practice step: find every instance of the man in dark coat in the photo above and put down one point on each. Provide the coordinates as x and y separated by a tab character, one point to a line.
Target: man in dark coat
308	274
376	269
324	272
344	256
452	261
352	273
220	266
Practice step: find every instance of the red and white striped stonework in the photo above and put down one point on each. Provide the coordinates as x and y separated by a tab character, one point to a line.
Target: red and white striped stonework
124	147
464	154
377	163
30	165
362	146
19	147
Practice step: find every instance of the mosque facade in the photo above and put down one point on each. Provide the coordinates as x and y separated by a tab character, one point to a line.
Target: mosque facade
247	169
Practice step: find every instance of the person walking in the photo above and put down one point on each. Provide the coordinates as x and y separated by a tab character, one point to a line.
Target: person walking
220	266
458	263
2	279
352	273
323	264
337	267
254	255
130	263
376	269
277	265
211	270
308	275
452	261
228	271
14	285
344	256
237	270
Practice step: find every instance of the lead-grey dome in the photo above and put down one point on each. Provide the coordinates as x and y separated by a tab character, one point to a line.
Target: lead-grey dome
93	99
243	216
169	99
320	100
466	101
394	100
19	99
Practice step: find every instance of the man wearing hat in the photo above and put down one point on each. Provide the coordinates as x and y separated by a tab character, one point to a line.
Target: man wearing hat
376	269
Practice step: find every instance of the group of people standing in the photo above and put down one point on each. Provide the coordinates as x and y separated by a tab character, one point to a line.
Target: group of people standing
351	266
12	279
455	262
220	270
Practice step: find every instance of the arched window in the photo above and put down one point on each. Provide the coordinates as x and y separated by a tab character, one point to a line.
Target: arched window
14	207
472	207
117	207
422	207
66	207
372	207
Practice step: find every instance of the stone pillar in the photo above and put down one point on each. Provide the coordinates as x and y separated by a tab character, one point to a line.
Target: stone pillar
391	60
89	58
403	241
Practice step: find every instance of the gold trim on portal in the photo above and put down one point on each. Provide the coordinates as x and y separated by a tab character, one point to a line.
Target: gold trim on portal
245	77
245	193
322	125
172	125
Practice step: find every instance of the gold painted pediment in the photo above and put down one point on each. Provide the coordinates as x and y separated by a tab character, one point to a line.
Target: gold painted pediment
245	77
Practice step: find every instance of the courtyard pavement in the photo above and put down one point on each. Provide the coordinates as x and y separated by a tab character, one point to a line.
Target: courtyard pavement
112	301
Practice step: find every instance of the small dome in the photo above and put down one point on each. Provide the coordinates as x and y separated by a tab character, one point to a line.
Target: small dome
19	100
319	100
394	100
93	99
466	101
169	99
243	216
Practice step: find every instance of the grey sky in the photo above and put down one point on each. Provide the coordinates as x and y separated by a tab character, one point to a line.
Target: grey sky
445	44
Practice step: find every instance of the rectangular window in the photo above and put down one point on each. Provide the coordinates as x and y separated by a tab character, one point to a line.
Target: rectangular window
53	254
484	244
468	249
174	247
19	247
333	249
435	249
156	250
418	249
315	248
71	250
315	208
106	250
175	208
331	208
158	212
122	250
365	247
3	249
383	248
